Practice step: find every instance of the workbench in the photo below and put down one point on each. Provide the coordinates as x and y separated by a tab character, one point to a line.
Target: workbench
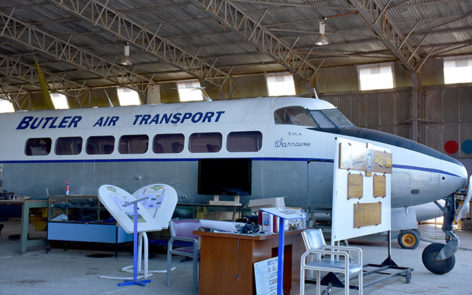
26	205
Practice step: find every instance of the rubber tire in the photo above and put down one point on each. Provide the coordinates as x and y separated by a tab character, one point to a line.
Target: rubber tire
409	239
437	267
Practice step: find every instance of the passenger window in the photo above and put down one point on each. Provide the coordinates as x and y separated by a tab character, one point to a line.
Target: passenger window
133	144
168	143
68	146
294	115
97	145
38	146
205	142
246	141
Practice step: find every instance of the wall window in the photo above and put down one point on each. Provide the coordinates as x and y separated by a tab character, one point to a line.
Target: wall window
205	142
457	69
59	101
38	146
189	91
168	143
294	115
245	141
377	76
133	144
68	146
6	106
97	145
128	97
280	84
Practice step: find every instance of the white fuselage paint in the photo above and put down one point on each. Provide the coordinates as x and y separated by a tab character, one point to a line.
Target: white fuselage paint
294	161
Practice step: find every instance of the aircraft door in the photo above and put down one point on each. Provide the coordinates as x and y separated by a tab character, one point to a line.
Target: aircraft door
320	184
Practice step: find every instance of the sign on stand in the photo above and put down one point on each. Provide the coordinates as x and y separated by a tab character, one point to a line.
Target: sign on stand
361	190
265	273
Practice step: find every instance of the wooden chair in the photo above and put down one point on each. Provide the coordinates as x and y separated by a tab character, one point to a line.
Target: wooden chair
338	260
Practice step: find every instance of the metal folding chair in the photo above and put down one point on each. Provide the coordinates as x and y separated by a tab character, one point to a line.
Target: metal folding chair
320	257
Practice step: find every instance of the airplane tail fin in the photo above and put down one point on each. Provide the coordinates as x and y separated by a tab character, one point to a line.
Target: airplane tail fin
44	86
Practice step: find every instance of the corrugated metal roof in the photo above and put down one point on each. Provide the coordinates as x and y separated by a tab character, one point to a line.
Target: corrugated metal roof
196	36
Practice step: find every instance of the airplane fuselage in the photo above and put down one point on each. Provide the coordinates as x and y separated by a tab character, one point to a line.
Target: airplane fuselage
289	141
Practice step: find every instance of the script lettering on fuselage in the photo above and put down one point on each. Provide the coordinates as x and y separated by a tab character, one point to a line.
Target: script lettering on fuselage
281	143
30	122
177	118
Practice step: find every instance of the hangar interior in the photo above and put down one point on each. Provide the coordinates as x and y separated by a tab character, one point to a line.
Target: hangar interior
416	54
231	46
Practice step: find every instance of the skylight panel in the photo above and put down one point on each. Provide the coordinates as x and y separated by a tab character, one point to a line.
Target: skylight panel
457	69
376	76
128	97
189	91
280	84
59	101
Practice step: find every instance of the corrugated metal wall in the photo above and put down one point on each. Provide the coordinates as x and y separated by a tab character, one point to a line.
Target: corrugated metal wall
447	117
444	113
386	111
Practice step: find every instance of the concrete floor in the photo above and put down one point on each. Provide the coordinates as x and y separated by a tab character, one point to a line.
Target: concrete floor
72	272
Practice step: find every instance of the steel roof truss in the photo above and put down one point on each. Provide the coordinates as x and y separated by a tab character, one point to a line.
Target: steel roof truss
123	27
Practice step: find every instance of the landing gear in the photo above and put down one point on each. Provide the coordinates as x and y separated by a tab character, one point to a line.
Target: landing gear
409	239
433	264
439	258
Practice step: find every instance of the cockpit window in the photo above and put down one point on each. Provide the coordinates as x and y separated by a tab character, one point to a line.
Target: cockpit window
294	115
331	118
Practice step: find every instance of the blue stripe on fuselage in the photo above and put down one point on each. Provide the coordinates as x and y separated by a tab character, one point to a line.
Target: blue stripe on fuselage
407	167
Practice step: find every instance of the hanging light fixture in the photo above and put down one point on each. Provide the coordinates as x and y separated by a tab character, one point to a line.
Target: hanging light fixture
126	61
322	39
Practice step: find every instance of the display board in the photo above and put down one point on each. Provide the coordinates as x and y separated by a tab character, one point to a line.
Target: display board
161	201
265	273
361	189
115	200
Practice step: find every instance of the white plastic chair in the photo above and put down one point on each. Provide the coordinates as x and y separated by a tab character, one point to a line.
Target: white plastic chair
338	260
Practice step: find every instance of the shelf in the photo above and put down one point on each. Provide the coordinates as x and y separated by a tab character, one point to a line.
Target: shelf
82	218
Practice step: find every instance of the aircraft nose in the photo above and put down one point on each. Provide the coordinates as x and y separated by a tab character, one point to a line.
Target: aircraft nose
454	176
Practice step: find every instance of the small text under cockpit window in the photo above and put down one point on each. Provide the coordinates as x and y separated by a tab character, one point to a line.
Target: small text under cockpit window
294	115
330	118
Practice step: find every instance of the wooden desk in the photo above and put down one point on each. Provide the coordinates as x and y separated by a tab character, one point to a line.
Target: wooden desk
227	261
25	208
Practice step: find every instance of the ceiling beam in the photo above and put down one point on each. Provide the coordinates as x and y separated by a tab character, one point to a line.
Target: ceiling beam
121	26
15	94
12	67
35	39
374	16
306	4
254	31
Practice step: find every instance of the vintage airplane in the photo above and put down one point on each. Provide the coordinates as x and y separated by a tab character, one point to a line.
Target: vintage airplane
255	148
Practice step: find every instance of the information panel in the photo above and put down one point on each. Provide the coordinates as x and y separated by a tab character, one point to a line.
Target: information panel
265	273
361	189
154	211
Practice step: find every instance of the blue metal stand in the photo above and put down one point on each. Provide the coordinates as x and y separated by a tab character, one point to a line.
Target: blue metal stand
280	266
135	281
282	214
